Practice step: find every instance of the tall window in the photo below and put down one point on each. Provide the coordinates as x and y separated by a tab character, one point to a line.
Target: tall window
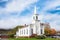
41	31
27	31
24	32
31	31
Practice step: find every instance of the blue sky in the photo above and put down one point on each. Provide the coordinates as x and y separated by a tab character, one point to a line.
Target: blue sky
18	12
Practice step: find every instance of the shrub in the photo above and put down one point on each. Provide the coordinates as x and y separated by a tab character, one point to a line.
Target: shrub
11	35
41	37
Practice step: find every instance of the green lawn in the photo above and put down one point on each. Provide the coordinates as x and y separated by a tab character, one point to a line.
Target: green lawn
32	39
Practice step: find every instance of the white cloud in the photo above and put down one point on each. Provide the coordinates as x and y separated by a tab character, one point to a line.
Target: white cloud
15	6
50	5
53	19
13	22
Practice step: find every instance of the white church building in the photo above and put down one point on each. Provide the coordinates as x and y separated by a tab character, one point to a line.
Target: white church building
35	28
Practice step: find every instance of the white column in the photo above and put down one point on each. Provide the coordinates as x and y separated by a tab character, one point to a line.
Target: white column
39	30
34	29
29	30
43	29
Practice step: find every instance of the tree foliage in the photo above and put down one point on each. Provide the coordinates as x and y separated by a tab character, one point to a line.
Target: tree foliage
13	31
50	31
53	32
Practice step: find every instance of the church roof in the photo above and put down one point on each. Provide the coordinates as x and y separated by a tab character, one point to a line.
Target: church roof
23	26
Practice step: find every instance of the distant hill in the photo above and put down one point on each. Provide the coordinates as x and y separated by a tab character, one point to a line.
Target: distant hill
10	31
4	31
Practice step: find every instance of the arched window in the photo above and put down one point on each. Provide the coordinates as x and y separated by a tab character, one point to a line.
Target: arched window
36	17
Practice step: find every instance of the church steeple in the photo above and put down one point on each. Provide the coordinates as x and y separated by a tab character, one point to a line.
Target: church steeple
35	16
35	21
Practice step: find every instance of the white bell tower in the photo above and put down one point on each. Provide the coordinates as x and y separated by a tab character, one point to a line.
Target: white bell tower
35	16
35	21
36	24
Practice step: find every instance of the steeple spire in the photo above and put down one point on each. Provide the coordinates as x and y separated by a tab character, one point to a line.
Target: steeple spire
35	16
35	10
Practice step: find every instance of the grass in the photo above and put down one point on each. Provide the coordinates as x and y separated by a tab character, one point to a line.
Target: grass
33	39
